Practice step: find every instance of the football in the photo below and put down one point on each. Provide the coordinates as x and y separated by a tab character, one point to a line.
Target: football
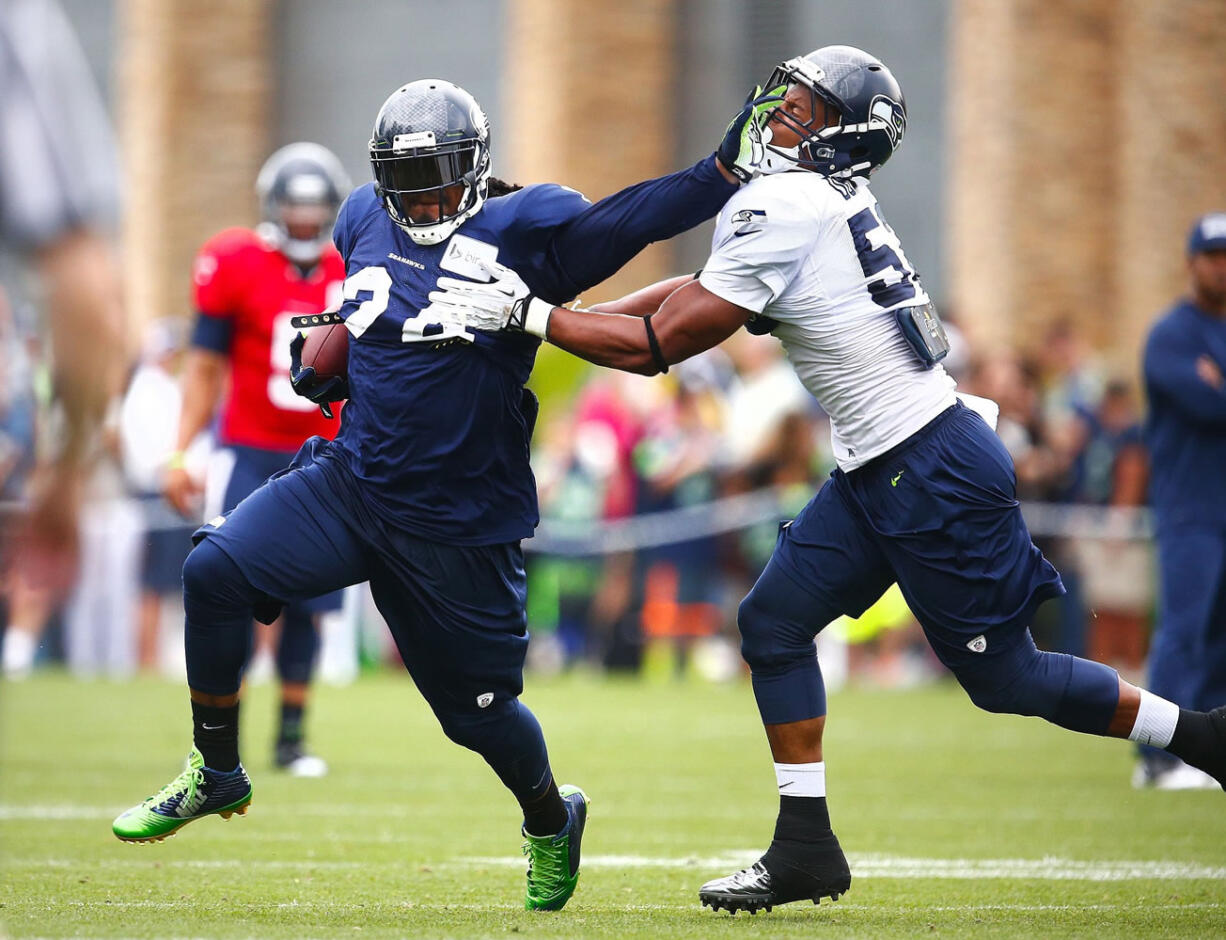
326	350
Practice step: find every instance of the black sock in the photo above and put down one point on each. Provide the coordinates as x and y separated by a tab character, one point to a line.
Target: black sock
216	735
545	815
291	724
802	819
1196	742
804	858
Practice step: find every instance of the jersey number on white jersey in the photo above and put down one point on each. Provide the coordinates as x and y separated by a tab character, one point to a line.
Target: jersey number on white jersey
882	259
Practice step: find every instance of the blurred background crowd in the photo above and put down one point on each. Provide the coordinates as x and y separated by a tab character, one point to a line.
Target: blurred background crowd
660	502
1037	191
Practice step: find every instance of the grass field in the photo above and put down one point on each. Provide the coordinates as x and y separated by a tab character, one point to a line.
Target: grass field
957	823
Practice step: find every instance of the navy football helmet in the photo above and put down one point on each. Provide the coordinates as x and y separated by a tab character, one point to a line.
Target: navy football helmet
301	187
873	113
431	135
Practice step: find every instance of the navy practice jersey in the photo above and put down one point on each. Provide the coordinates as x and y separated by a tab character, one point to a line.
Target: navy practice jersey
1186	426
435	434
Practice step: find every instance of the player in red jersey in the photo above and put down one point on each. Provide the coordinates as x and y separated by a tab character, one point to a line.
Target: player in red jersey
247	284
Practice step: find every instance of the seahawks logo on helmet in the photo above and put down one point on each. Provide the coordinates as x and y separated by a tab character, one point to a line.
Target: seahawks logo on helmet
890	117
872	113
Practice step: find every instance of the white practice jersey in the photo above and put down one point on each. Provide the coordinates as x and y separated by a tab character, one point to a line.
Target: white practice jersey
816	256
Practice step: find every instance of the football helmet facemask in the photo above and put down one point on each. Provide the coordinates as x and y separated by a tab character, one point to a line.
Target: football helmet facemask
428	136
301	187
873	113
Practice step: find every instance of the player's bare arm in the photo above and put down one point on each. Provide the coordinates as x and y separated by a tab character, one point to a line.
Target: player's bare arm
645	300
691	320
204	376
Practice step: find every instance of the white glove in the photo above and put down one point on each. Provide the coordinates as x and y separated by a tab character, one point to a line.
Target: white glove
503	303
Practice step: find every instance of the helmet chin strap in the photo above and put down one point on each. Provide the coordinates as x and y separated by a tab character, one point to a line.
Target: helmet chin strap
776	159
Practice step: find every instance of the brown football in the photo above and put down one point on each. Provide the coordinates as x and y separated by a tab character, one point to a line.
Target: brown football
326	350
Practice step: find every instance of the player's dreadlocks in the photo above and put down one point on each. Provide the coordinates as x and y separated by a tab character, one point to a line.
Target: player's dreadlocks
499	187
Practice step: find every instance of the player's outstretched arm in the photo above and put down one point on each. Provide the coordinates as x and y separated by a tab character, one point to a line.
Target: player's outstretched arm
690	321
599	241
646	300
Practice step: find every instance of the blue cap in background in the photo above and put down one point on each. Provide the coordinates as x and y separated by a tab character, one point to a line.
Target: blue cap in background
1208	234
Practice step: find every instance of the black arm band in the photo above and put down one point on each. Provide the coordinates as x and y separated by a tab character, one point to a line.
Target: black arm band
656	356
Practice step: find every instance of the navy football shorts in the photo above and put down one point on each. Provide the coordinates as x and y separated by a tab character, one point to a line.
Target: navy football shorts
456	612
938	514
251	467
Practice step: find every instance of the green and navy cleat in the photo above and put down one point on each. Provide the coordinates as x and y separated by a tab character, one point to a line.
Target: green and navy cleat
553	861
197	792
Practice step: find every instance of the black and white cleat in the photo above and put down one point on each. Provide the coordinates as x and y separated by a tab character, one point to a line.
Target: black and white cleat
754	889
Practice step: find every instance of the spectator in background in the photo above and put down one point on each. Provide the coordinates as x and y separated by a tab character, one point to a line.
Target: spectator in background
148	430
101	615
1185	361
764	391
27	605
54	205
1112	470
676	464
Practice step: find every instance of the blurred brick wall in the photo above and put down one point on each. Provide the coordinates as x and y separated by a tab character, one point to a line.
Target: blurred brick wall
588	92
194	121
1085	138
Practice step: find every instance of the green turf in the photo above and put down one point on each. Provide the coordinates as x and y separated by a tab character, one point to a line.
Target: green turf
411	836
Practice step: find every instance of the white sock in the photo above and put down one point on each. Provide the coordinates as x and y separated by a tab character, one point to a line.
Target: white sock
801	779
20	648
1156	719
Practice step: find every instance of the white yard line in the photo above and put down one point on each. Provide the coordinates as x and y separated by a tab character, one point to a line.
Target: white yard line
890	866
862	866
843	905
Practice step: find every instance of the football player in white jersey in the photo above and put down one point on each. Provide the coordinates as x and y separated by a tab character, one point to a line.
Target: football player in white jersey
924	493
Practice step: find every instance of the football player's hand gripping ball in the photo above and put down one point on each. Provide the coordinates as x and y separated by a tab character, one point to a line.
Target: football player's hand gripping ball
741	149
322	391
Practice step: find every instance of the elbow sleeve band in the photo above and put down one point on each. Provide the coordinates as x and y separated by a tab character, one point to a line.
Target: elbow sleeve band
656	356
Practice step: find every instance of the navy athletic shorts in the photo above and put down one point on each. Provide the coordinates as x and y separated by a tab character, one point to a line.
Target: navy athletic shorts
938	514
456	612
252	466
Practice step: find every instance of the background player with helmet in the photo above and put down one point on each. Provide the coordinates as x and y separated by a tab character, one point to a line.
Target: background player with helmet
247	285
924	491
426	491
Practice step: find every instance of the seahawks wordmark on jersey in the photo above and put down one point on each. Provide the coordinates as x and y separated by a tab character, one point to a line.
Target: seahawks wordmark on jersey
816	257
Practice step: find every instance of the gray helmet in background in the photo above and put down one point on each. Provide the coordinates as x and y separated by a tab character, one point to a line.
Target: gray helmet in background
301	188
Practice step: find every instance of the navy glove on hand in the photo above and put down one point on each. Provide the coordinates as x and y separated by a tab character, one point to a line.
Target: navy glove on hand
309	385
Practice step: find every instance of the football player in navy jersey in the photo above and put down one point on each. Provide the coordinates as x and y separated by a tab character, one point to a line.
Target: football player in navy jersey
426	491
924	493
